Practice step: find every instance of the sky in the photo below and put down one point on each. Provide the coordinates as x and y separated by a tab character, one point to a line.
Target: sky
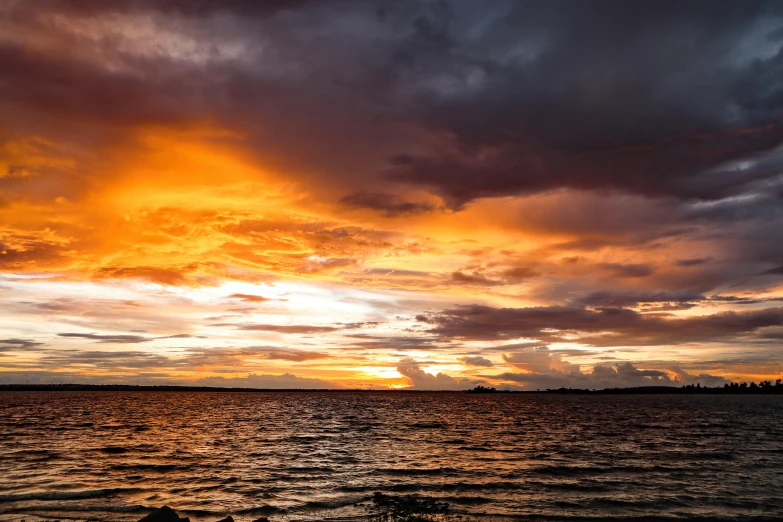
384	194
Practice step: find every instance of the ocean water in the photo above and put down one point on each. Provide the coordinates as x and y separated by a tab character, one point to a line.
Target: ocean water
322	455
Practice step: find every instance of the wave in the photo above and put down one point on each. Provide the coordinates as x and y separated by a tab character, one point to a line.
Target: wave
310	469
31	455
158	468
576	471
428	425
260	510
23	452
67	495
410	472
467	500
453	487
316	505
114	450
558	486
215	454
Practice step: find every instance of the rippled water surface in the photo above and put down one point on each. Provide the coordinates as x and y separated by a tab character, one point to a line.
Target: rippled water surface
316	455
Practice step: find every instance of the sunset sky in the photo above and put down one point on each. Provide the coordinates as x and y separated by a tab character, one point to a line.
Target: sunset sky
310	194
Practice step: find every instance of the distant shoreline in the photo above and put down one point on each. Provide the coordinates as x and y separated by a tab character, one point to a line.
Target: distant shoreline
648	390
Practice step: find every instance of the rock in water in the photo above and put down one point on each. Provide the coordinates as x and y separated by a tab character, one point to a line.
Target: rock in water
164	514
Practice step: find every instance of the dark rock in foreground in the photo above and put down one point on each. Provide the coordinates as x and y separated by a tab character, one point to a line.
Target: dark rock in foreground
407	505
403	507
165	514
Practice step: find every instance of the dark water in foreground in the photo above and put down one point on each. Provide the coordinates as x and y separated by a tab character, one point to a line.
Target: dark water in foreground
107	456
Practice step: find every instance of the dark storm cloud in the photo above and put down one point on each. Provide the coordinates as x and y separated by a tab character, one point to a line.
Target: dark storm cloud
693	261
186	7
778	270
735	299
631	299
627	271
776	334
372	104
753	207
605	326
655	98
389	204
635	96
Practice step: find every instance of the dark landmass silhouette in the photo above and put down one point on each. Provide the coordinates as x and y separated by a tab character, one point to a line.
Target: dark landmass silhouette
482	389
761	388
733	388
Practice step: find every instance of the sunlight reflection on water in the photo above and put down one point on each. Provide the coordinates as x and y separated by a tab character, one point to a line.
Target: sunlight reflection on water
316	455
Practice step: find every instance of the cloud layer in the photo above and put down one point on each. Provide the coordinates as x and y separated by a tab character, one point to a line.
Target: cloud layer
385	193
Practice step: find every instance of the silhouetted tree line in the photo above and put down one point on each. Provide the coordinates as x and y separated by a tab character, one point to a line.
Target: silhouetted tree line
760	388
482	389
732	388
736	387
